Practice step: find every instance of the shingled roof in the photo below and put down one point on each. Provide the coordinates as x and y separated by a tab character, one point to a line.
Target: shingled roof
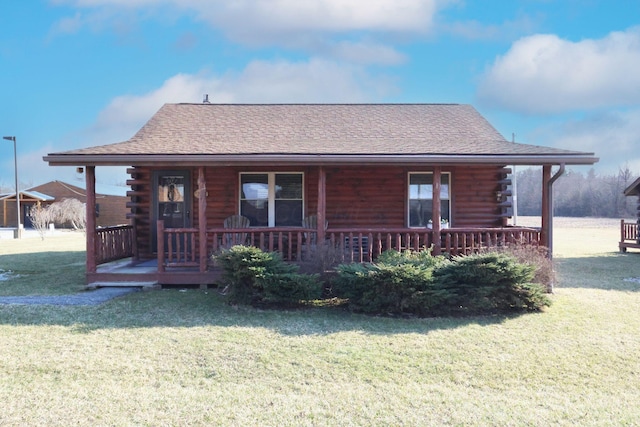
318	133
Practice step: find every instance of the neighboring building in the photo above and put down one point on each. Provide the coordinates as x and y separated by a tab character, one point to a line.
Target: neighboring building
111	203
28	199
629	235
373	176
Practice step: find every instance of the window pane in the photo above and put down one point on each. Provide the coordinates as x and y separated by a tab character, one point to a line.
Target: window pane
257	211
444	186
288	186
254	186
420	212
288	213
255	199
444	210
170	188
421	186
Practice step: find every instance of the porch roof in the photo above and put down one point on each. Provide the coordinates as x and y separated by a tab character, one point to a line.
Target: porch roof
633	189
28	195
197	134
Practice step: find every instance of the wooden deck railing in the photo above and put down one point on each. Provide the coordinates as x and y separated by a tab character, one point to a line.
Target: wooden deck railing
628	235
364	245
113	243
178	247
289	241
463	241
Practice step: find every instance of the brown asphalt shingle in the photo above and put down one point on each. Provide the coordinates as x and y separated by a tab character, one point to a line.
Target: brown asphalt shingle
350	129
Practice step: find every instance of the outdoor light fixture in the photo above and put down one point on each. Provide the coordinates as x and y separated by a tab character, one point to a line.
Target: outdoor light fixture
15	159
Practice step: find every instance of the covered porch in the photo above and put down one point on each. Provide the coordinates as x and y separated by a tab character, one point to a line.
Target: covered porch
183	254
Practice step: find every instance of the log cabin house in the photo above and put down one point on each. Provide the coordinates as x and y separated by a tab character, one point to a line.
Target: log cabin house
368	177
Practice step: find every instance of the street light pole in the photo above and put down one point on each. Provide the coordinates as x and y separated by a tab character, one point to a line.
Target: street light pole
15	159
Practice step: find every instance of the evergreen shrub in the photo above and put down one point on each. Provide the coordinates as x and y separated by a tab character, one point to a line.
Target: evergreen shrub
398	283
256	277
417	283
487	283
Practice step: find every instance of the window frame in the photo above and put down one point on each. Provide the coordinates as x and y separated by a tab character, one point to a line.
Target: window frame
271	194
446	200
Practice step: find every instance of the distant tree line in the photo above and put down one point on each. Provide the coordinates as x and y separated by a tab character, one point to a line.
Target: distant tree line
577	194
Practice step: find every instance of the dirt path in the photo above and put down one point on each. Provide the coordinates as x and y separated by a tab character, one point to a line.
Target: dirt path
94	297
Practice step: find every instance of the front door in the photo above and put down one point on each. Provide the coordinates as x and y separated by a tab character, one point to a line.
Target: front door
172	201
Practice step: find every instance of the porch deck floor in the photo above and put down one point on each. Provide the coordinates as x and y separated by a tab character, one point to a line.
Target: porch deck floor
128	266
145	274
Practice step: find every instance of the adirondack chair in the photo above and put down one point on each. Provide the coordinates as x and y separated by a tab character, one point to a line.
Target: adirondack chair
233	222
312	223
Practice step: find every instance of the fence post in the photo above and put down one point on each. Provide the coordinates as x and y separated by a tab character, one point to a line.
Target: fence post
160	246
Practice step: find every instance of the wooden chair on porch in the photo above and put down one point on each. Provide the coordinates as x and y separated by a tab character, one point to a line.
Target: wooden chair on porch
310	239
312	223
234	222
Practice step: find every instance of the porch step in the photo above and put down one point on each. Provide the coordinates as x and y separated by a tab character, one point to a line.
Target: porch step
131	284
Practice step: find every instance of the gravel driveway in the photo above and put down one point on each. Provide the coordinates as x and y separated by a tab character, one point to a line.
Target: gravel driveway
93	297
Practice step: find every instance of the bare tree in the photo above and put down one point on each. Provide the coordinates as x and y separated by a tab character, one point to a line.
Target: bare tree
70	211
577	194
40	219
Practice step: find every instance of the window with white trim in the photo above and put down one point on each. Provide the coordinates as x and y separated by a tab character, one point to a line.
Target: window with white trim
272	199
421	198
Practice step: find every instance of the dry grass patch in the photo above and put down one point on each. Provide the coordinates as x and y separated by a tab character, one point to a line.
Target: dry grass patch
186	358
53	266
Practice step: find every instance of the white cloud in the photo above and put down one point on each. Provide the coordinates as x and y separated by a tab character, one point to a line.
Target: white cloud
69	25
477	30
315	80
253	20
260	17
545	74
613	136
366	53
126	113
294	24
310	81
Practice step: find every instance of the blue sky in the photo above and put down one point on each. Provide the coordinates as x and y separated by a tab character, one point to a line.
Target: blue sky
78	73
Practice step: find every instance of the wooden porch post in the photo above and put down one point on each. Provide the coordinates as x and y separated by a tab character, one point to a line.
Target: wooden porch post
546	221
90	179
202	218
322	203
435	217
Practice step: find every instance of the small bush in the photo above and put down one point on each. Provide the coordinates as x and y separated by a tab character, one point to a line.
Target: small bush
256	277
321	259
489	282
538	257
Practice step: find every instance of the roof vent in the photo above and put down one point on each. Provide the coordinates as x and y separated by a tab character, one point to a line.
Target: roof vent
205	99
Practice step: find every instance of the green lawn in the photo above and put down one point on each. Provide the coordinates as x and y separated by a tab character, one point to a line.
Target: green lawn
175	357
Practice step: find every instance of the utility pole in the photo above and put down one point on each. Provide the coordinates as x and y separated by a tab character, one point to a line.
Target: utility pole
514	185
18	233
